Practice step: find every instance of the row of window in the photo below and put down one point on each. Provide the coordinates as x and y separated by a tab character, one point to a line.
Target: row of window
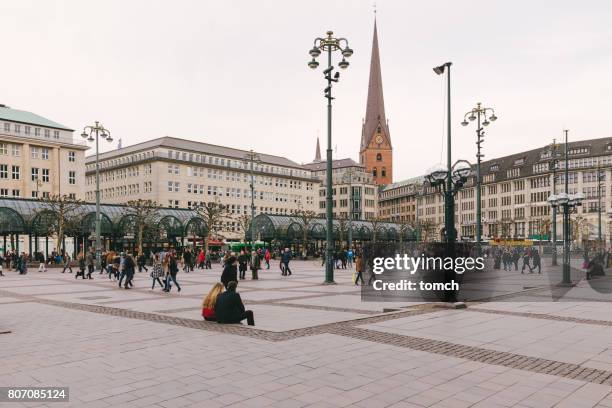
37	174
27	130
36	152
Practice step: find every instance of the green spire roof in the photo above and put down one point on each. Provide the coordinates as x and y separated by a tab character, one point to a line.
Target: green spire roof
15	115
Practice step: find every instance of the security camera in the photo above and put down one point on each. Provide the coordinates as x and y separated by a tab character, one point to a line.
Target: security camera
328	70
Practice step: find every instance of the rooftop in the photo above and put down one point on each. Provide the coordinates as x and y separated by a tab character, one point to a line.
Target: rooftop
20	116
336	164
193	146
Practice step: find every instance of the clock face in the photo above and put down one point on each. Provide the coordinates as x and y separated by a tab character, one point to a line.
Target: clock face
379	139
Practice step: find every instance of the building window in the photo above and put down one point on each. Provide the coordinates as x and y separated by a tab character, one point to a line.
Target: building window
71	156
374	172
34	194
4	192
4	171
45	175
378	157
72	196
46	194
16	193
17	128
72	177
3	148
47	133
494	167
27	130
34	152
36	131
44	153
56	134
383	172
7	128
16	173
34	173
16	150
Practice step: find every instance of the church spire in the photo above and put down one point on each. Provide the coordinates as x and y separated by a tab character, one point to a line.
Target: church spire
318	152
375	107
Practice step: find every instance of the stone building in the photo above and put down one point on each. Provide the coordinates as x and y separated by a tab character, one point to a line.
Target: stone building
397	201
38	157
182	173
515	189
347	176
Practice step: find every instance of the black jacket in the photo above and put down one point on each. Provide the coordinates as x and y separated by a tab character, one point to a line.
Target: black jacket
229	307
230	273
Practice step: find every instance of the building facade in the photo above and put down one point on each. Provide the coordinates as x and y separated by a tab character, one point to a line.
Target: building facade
376	151
515	189
354	190
181	173
38	157
397	202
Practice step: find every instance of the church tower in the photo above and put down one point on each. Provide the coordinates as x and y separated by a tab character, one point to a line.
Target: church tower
376	152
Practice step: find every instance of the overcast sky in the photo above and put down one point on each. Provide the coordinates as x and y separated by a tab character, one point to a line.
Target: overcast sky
234	73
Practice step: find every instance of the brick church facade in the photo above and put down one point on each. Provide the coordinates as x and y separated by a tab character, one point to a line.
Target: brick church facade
376	151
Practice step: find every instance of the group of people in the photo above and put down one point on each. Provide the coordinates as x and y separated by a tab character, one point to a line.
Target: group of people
510	257
341	259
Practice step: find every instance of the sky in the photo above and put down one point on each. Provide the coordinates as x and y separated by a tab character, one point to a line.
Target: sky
235	73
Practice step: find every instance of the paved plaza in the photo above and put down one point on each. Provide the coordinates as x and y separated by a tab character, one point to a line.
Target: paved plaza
312	346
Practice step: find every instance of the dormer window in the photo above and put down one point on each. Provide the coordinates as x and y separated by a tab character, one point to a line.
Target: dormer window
519	162
578	150
494	167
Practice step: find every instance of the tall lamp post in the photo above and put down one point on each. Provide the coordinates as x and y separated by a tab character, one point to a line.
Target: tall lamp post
449	198
488	114
568	202
554	164
348	178
93	133
600	178
329	44
252	157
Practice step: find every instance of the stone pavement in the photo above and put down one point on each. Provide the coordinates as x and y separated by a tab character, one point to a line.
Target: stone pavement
313	345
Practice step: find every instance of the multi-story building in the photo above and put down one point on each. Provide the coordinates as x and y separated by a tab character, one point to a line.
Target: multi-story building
515	189
347	176
397	201
38	157
183	173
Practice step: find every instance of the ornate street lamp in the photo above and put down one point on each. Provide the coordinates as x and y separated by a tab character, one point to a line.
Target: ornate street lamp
252	157
92	133
568	202
329	44
483	116
348	178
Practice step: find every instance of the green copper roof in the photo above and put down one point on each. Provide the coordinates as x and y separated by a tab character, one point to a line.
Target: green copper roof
20	116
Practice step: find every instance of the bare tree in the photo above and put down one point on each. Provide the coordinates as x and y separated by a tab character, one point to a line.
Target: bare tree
64	214
244	222
144	215
426	226
342	227
375	221
305	218
215	215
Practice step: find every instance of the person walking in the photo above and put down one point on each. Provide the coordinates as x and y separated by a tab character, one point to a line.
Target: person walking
285	260
157	271
536	262
172	271
122	271
42	267
129	266
230	272
67	263
82	266
359	269
201	259
267	257
526	262
187	260
243	260
349	257
142	262
90	263
255	265
229	308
